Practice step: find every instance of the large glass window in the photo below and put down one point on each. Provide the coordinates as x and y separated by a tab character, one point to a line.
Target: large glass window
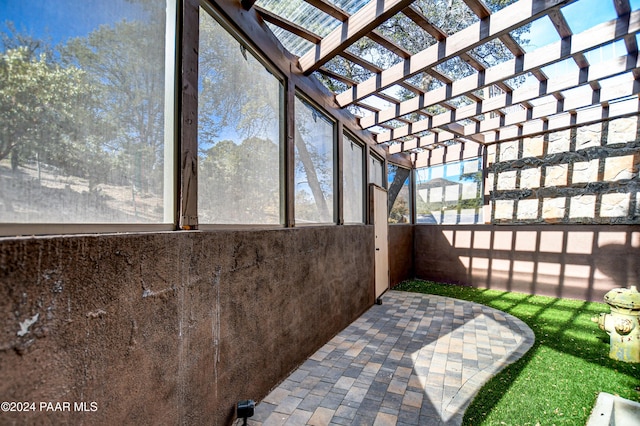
85	116
450	193
239	132
353	185
314	165
399	194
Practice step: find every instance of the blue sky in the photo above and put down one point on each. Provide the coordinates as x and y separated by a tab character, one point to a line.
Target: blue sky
580	16
59	20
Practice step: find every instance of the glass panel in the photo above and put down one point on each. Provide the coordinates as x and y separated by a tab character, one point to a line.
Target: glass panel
314	165
239	132
353	185
376	171
399	195
85	114
303	14
450	193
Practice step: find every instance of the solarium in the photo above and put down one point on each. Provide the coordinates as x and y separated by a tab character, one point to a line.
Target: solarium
193	195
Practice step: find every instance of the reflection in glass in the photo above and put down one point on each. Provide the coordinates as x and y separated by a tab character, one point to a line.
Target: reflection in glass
399	195
376	171
353	185
239	127
314	165
82	112
450	193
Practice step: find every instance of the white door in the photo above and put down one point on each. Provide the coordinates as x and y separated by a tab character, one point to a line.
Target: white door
379	216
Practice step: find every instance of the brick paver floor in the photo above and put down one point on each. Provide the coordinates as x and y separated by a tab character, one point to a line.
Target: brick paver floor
414	360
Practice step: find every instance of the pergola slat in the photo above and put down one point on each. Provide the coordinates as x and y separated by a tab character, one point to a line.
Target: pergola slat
329	9
516	124
594	73
499	23
354	28
546	55
287	25
565	121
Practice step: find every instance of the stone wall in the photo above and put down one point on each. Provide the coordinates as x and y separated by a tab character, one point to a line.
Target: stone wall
587	174
171	328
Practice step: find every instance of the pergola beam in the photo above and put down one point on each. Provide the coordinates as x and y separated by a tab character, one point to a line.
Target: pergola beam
351	30
566	120
499	23
329	9
626	88
578	43
595	73
287	25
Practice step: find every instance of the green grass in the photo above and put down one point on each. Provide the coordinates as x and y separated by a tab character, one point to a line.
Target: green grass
557	381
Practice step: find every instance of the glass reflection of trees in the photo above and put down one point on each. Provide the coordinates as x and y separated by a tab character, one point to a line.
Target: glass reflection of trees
82	121
314	165
239	132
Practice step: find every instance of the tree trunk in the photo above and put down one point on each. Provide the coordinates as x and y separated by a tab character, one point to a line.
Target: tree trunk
312	178
395	187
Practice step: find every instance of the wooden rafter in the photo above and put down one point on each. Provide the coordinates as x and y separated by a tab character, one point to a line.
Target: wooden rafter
555	52
351	30
554	86
329	9
566	120
564	31
296	29
499	23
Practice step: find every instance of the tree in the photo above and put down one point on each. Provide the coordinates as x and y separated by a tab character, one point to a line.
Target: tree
37	103
125	67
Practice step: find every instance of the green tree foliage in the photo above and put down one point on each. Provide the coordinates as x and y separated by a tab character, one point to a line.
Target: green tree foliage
37	103
91	107
125	65
242	181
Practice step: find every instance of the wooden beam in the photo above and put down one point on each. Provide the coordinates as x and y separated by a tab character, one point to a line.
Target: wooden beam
578	43
628	87
293	28
517	124
479	8
188	189
419	19
351	30
247	4
329	9
339	77
566	121
562	27
499	23
594	73
389	44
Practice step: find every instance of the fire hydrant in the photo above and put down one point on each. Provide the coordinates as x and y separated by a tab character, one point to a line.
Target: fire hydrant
622	324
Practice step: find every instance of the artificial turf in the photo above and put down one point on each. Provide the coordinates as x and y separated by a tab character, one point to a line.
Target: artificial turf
557	381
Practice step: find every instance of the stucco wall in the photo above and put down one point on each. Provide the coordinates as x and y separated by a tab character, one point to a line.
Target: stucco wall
573	261
171	328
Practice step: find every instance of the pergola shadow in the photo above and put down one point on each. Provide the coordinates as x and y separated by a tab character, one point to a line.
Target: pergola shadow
416	359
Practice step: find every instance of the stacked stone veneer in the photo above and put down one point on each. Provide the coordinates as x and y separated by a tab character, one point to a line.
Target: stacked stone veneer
586	174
